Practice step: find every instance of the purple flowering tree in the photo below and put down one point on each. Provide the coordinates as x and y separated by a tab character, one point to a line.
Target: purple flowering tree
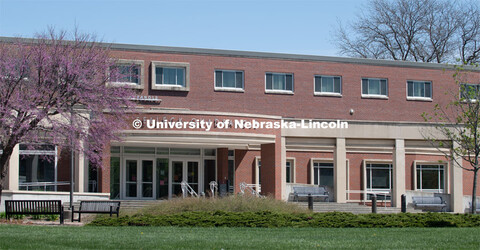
54	89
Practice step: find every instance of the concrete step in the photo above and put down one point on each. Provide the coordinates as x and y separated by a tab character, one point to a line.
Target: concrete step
351	208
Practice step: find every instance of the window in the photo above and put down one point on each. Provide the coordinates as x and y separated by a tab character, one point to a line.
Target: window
469	91
430	177
229	80
37	164
372	87
328	85
278	83
128	72
379	176
419	90
290	169
323	174
170	76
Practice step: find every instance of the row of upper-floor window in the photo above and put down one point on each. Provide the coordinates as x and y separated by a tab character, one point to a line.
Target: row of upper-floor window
176	76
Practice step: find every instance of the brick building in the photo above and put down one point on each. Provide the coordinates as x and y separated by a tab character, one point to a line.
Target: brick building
298	104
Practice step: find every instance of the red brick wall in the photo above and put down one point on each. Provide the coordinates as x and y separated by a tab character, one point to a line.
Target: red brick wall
63	168
468	180
254	100
245	167
271	169
222	165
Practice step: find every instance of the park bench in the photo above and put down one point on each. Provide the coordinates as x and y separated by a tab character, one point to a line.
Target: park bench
33	207
96	207
313	191
429	202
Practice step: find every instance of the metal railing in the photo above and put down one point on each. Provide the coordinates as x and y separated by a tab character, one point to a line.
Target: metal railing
213	187
251	188
188	190
41	186
366	193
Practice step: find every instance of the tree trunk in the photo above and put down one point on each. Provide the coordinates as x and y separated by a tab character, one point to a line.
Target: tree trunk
474	193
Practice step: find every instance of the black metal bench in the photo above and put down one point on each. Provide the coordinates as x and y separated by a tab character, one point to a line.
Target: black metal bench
313	191
97	207
429	202
33	207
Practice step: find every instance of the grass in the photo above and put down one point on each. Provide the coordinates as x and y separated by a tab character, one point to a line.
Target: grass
64	237
233	203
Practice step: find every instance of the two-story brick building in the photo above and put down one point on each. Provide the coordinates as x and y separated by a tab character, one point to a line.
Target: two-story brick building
190	105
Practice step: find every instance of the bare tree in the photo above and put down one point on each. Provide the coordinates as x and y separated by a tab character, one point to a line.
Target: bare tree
413	30
459	123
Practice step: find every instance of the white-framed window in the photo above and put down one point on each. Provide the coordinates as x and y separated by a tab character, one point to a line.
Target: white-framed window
328	85
379	176
375	88
323	174
37	165
469	91
128	73
419	90
430	177
279	83
170	76
229	80
290	170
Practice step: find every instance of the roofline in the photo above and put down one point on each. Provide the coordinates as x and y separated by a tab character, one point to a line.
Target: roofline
263	55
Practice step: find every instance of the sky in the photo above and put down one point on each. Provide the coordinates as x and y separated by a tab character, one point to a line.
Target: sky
297	27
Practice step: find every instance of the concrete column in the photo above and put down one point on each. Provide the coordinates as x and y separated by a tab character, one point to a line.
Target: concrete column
13	170
283	171
80	172
222	165
340	171
398	172
456	183
271	174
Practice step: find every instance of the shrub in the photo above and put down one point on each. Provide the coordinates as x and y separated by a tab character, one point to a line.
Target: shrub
233	203
274	219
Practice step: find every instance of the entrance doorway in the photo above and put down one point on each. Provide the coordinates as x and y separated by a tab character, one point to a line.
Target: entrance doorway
139	178
184	170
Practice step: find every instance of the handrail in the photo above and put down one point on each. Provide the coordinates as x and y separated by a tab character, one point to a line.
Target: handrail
43	184
371	192
250	187
187	189
213	187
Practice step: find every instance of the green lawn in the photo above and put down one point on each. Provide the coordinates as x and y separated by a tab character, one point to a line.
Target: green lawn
62	237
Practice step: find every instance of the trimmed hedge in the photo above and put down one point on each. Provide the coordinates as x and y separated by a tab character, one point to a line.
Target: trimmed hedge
271	219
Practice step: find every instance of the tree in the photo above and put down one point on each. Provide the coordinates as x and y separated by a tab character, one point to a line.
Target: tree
457	125
54	91
414	30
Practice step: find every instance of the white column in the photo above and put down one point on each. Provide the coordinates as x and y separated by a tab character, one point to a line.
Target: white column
340	171
79	172
13	170
398	172
283	168
456	184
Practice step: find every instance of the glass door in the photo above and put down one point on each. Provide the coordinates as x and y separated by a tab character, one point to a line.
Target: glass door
184	170
147	179
177	178
139	179
131	167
